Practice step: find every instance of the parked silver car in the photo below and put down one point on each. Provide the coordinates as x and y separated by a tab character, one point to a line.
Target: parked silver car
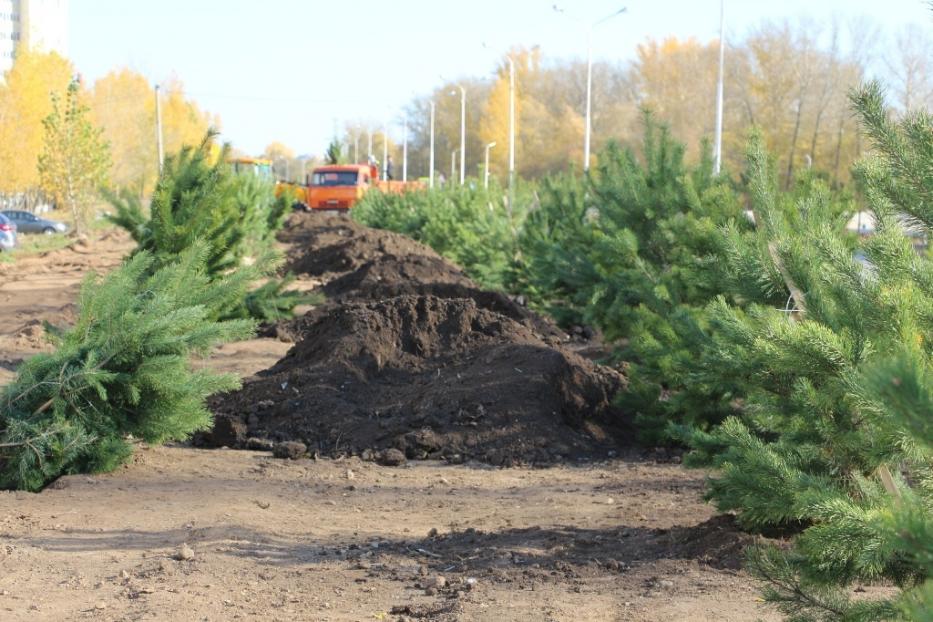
7	234
27	222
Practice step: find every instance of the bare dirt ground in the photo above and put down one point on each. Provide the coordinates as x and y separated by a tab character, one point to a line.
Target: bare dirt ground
188	534
42	288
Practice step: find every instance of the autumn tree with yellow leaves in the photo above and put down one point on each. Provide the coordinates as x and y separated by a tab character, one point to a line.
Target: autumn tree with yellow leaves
25	100
121	104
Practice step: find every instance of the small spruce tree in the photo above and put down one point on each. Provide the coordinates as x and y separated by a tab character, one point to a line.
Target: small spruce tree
334	154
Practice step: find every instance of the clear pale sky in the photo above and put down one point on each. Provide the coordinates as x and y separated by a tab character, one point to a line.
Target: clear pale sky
288	70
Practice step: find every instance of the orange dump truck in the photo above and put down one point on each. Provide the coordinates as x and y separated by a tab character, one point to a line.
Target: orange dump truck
339	186
331	187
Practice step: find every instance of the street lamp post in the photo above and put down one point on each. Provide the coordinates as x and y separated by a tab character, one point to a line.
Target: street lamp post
589	83
511	62
385	148
159	144
511	117
717	167
511	131
286	166
453	165
486	167
462	132
431	163
405	149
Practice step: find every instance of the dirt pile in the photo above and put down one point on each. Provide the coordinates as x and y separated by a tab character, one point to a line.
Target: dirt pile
330	245
357	263
431	377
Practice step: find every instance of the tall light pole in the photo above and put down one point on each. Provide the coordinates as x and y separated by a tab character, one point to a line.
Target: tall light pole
369	153
385	148
589	87
453	165
589	83
486	167
286	166
462	132
160	148
717	166
356	148
405	149
511	62
431	163
511	131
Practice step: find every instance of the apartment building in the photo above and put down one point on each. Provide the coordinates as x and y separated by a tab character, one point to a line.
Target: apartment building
37	24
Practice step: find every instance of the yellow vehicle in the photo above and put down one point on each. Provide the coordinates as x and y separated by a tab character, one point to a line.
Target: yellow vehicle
262	167
252	166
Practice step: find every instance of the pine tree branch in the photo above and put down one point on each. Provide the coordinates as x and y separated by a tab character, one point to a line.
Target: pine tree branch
795	292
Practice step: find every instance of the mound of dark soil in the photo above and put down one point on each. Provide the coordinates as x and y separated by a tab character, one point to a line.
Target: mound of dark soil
432	377
358	263
422	275
330	245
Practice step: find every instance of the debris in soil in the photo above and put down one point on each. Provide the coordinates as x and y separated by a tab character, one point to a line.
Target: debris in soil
259	444
717	542
561	554
431	378
228	432
439	612
291	450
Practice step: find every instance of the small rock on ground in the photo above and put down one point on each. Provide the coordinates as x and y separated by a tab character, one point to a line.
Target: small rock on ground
184	553
291	450
391	457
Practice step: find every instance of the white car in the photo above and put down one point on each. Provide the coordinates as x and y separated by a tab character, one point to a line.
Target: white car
7	234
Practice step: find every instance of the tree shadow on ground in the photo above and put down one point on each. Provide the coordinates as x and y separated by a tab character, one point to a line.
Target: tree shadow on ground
571	551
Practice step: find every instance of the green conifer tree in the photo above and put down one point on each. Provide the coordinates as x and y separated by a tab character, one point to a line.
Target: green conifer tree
636	248
122	371
198	199
832	437
334	154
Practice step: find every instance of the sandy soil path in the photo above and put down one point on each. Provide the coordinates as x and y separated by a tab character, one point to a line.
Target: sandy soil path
187	534
347	540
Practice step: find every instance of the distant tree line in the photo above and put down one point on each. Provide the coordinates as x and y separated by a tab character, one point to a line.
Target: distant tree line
790	79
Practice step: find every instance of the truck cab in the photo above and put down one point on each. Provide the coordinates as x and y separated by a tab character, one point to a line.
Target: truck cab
338	187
